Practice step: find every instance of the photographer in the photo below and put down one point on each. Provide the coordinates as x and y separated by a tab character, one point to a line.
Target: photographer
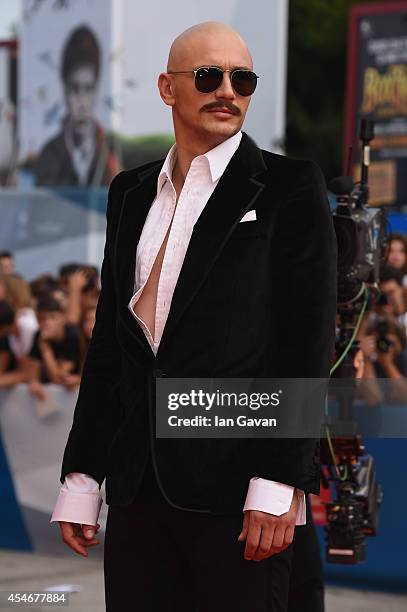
383	347
392	302
397	257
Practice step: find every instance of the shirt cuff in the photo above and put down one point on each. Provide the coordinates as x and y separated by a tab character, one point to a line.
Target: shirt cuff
274	498
76	482
79	500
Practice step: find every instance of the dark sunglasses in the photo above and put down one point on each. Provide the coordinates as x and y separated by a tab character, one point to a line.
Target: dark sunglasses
209	78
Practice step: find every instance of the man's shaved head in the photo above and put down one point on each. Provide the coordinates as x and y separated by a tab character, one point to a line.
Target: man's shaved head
197	39
204	119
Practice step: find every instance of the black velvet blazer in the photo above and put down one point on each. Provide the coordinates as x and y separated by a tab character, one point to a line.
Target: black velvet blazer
253	299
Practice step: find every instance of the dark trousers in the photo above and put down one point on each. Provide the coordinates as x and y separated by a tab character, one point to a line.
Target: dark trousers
160	559
306	581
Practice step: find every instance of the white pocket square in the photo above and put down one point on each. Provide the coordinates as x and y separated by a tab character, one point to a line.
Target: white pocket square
249	216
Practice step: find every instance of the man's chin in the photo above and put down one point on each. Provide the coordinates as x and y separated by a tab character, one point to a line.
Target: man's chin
222	129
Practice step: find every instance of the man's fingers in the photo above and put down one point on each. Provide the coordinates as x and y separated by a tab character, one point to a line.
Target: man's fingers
253	538
72	536
267	534
88	531
69	537
279	534
67	529
289	536
87	534
263	549
243	533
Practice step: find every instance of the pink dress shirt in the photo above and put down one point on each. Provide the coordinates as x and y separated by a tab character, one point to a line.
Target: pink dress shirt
79	500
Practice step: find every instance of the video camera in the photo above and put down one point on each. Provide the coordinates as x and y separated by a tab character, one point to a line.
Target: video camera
361	233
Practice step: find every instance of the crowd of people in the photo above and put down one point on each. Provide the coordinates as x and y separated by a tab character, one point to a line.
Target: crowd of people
382	336
45	325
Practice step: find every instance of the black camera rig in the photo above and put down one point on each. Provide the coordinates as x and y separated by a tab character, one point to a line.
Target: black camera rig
361	232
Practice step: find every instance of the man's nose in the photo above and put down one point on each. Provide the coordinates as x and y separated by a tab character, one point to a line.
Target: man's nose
225	90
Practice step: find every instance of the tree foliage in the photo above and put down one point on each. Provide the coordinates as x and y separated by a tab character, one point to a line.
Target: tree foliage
317	55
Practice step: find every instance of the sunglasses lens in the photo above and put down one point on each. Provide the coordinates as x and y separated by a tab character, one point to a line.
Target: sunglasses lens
208	79
244	82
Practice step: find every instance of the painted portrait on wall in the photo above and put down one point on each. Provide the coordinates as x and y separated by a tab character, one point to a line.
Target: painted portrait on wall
79	153
65	130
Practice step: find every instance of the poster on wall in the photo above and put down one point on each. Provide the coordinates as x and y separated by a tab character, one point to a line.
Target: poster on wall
65	81
8	105
377	90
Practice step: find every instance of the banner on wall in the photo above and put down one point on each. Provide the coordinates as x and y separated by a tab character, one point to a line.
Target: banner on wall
377	90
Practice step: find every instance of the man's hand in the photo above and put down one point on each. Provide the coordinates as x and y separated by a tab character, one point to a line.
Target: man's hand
388	360
37	389
267	534
79	537
78	279
70	381
368	345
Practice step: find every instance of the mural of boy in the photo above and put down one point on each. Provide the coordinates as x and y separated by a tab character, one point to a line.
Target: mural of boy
79	154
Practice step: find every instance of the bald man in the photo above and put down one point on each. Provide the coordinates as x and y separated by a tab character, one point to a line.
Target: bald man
219	261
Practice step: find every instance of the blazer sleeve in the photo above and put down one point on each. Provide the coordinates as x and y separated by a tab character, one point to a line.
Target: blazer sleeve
304	313
306	278
96	415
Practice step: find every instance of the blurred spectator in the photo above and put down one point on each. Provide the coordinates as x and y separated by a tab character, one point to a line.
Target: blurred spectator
85	331
55	355
7	265
397	256
15	289
13	337
367	387
393	302
18	326
61	296
46	326
44	285
7	318
81	284
66	270
384	347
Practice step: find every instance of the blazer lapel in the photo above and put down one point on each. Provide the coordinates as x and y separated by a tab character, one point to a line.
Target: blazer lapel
137	201
236	192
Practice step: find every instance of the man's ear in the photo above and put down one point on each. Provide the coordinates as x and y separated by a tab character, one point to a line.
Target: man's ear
165	87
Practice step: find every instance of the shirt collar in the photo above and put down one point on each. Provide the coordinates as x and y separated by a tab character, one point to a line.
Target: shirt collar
220	156
166	170
218	159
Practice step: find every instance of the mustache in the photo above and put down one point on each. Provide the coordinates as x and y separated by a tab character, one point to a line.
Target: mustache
222	104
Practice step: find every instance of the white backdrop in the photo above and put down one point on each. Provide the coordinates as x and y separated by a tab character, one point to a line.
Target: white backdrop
147	30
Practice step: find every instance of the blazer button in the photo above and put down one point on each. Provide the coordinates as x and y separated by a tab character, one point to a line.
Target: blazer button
158	373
